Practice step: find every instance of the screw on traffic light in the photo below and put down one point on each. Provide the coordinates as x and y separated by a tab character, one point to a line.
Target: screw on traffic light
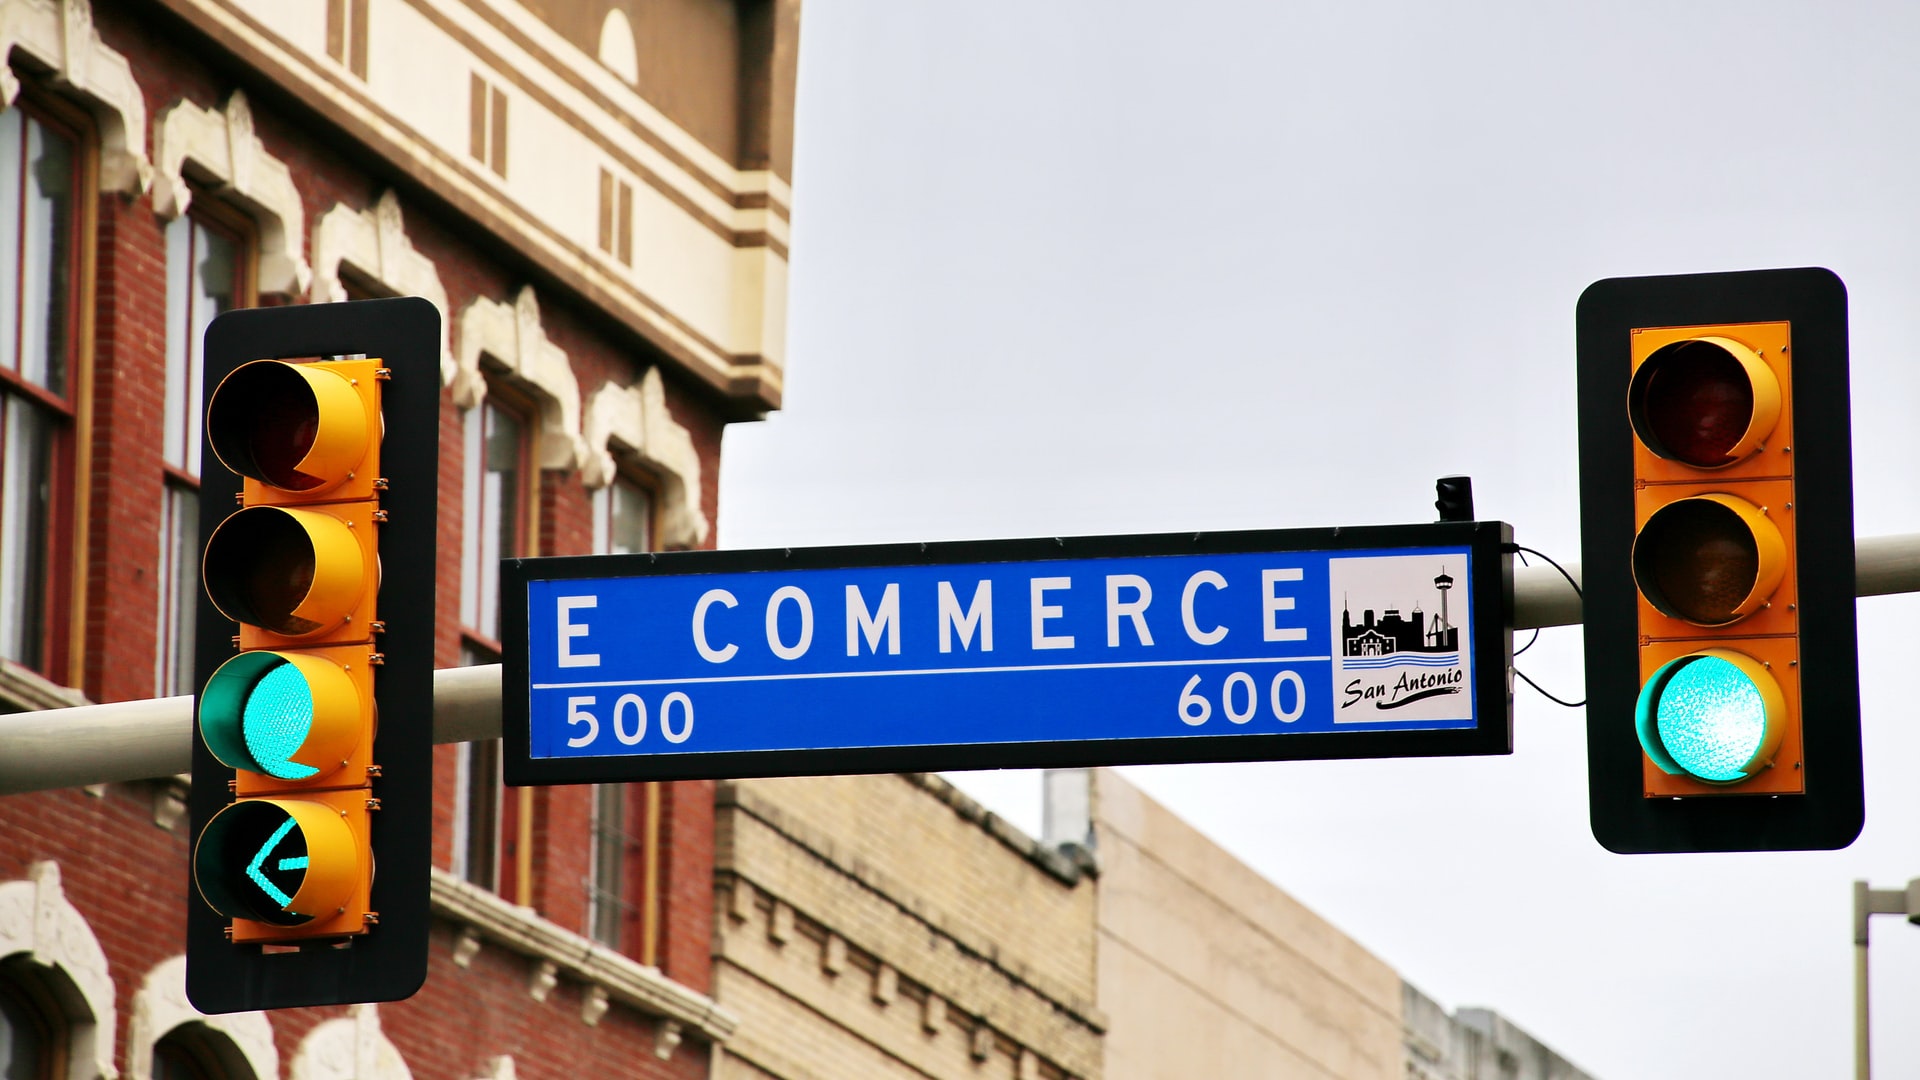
313	758
1717	552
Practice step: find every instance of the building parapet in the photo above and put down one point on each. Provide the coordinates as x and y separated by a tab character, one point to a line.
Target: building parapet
560	953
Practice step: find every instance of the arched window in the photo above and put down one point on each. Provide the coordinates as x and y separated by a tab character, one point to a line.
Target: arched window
186	1054
32	1043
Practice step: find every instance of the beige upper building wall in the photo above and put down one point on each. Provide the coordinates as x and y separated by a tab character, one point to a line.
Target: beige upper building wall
874	927
1209	970
637	151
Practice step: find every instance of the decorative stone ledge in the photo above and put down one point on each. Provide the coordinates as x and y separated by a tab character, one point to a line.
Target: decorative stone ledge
513	336
60	35
162	1005
374	244
220	148
634	419
37	919
22	690
608	975
1067	863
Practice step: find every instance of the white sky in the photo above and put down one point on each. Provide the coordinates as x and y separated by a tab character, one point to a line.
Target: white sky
1080	268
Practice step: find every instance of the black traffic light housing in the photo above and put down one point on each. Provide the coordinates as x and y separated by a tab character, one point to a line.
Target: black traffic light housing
243	960
1797	629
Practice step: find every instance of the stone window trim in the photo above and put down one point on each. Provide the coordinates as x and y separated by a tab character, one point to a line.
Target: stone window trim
350	1047
374	244
37	919
558	953
219	148
162	1006
634	420
511	335
59	35
25	690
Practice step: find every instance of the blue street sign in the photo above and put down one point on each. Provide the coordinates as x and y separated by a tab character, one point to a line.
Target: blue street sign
1216	647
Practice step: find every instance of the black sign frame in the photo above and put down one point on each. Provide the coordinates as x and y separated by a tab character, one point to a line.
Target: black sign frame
1489	544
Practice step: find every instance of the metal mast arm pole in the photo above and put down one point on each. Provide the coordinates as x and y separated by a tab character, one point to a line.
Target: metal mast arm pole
139	740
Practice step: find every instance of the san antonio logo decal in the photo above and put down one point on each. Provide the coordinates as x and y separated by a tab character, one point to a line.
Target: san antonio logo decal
1401	623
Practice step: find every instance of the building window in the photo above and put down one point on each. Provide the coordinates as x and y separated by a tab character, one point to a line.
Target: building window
496	497
607	905
487	124
32	1045
622	518
39	222
208	266
616	217
347	34
623	525
185	1055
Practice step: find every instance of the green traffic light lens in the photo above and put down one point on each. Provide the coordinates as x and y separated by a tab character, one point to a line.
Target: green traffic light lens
1709	717
286	715
276	719
250	862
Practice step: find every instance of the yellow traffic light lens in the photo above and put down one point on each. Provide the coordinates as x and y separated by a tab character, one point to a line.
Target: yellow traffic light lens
298	427
293	572
1715	715
1710	559
1707	401
291	716
279	861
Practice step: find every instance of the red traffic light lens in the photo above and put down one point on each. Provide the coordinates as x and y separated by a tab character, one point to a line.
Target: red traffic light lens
297	427
262	423
1706	402
1711	559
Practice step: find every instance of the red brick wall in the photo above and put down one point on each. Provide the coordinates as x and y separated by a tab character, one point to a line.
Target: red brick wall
128	877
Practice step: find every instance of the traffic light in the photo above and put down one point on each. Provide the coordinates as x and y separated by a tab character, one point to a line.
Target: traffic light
1716	508
311	802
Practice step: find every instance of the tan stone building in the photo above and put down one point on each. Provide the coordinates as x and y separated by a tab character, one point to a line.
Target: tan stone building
878	927
1207	969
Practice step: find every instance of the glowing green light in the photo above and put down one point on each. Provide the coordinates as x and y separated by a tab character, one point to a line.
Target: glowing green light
276	720
260	856
1711	719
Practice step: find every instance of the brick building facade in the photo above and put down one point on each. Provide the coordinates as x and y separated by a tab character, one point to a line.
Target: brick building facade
594	194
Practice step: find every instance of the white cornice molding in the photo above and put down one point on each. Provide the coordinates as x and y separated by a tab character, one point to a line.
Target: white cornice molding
350	1047
220	147
162	1005
60	35
37	919
375	244
520	930
635	419
512	335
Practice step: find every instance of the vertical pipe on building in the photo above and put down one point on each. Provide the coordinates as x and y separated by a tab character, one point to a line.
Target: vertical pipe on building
650	876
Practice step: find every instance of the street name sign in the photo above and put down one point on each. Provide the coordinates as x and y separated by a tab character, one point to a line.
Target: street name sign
1386	641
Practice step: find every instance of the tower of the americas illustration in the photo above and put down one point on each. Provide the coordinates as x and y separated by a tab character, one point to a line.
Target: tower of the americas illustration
1443	583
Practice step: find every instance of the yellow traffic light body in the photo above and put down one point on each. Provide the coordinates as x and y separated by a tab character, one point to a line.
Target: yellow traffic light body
332	897
297	567
1714	548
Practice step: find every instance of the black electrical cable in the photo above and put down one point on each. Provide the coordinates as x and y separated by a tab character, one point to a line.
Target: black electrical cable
1523	552
1563	570
1544	694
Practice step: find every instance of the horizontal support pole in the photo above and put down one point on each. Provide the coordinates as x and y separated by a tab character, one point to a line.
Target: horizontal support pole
140	740
1881	565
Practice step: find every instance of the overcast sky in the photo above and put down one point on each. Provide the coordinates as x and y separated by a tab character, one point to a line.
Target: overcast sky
1083	268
